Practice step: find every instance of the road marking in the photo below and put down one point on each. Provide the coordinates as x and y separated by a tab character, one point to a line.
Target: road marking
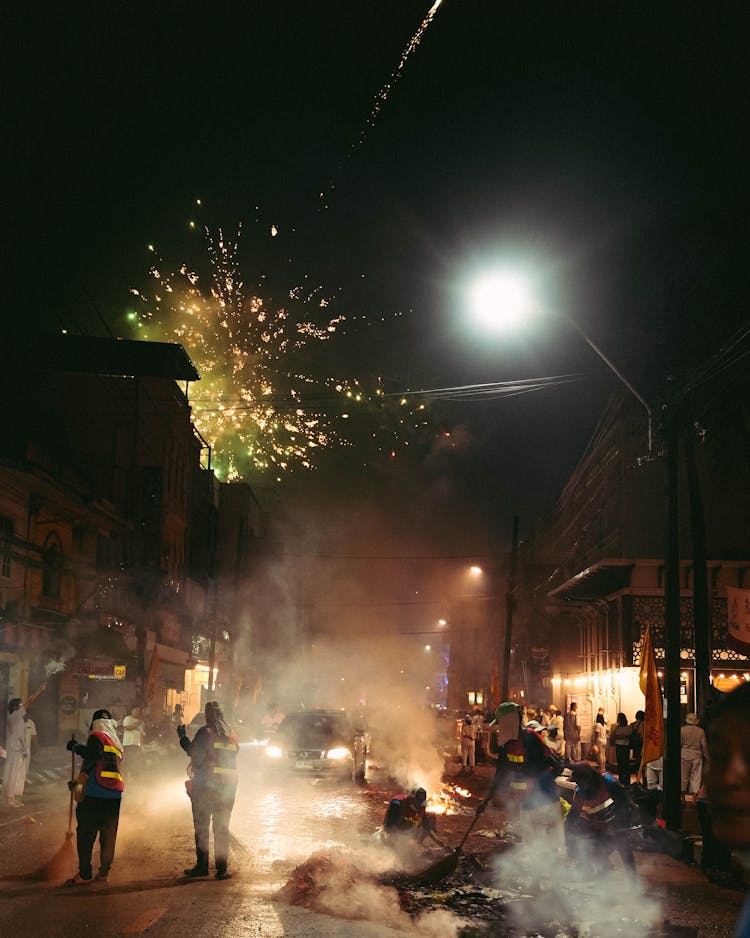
144	921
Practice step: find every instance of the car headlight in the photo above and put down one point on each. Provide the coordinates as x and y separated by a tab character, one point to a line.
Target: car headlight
274	752
338	754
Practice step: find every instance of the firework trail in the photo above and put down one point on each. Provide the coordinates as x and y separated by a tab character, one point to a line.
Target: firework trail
382	96
257	404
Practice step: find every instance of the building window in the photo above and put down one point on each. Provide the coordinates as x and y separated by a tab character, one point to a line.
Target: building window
6	544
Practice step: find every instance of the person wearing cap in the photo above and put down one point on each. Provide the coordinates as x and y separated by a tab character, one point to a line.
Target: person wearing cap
213	787
525	772
693	753
98	814
599	817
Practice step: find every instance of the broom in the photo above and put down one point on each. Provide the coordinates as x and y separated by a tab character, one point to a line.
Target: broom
61	863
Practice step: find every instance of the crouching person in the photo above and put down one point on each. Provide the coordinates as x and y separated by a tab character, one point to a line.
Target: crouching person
599	819
98	791
407	822
213	754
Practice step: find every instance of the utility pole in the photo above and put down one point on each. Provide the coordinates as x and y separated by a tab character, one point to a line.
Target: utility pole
510	602
672	785
701	596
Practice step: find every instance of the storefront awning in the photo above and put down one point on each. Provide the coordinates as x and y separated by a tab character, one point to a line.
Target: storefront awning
599	581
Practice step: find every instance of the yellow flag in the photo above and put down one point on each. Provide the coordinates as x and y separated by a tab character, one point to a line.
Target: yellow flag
653	726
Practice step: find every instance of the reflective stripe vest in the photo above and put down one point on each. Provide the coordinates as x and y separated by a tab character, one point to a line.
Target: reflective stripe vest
108	768
515	754
598	808
222	759
403	813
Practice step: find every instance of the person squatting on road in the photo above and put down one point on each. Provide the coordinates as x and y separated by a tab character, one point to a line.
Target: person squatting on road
407	821
101	785
525	774
212	788
599	819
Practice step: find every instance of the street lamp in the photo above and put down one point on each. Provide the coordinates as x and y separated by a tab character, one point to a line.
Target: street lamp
504	300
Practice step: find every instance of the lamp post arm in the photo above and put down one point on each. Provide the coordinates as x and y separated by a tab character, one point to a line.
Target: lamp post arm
612	367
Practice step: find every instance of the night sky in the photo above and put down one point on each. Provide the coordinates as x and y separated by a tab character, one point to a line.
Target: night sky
600	145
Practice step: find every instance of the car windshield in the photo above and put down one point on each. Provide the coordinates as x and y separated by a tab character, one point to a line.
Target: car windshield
313	729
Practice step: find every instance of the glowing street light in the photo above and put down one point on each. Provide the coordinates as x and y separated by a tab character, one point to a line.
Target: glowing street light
504	300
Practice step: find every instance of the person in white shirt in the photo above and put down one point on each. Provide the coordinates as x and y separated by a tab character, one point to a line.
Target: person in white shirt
693	753
468	745
133	732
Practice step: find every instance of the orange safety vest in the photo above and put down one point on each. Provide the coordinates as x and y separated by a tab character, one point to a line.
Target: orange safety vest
108	768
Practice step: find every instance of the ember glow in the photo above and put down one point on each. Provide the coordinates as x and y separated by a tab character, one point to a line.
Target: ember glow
448	800
258	403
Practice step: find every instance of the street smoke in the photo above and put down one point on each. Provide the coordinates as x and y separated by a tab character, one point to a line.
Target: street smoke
582	897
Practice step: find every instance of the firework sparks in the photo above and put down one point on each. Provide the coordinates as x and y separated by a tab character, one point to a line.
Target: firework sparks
257	404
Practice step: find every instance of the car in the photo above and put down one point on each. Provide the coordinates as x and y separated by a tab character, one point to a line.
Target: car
317	743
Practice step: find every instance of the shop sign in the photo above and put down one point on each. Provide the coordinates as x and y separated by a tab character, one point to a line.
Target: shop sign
98	671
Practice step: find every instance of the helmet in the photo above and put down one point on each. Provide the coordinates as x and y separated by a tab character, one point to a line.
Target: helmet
419	795
509	706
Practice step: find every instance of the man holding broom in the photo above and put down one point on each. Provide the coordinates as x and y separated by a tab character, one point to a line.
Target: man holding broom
100	786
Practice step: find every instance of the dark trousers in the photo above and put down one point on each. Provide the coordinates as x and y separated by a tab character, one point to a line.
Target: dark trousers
623	764
96	816
212	804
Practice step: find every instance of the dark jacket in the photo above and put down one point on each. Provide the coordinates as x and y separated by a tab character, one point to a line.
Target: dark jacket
526	769
213	757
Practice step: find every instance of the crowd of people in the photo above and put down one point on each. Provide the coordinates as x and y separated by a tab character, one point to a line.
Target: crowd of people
604	776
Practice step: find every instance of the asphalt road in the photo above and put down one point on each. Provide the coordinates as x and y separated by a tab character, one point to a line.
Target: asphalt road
499	888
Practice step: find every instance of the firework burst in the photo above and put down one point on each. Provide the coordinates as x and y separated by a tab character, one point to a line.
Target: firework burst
258	404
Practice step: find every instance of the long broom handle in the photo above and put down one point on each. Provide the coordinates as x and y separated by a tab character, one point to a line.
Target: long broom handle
470	828
73	780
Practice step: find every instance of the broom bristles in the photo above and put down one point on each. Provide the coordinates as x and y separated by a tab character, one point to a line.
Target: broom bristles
57	867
